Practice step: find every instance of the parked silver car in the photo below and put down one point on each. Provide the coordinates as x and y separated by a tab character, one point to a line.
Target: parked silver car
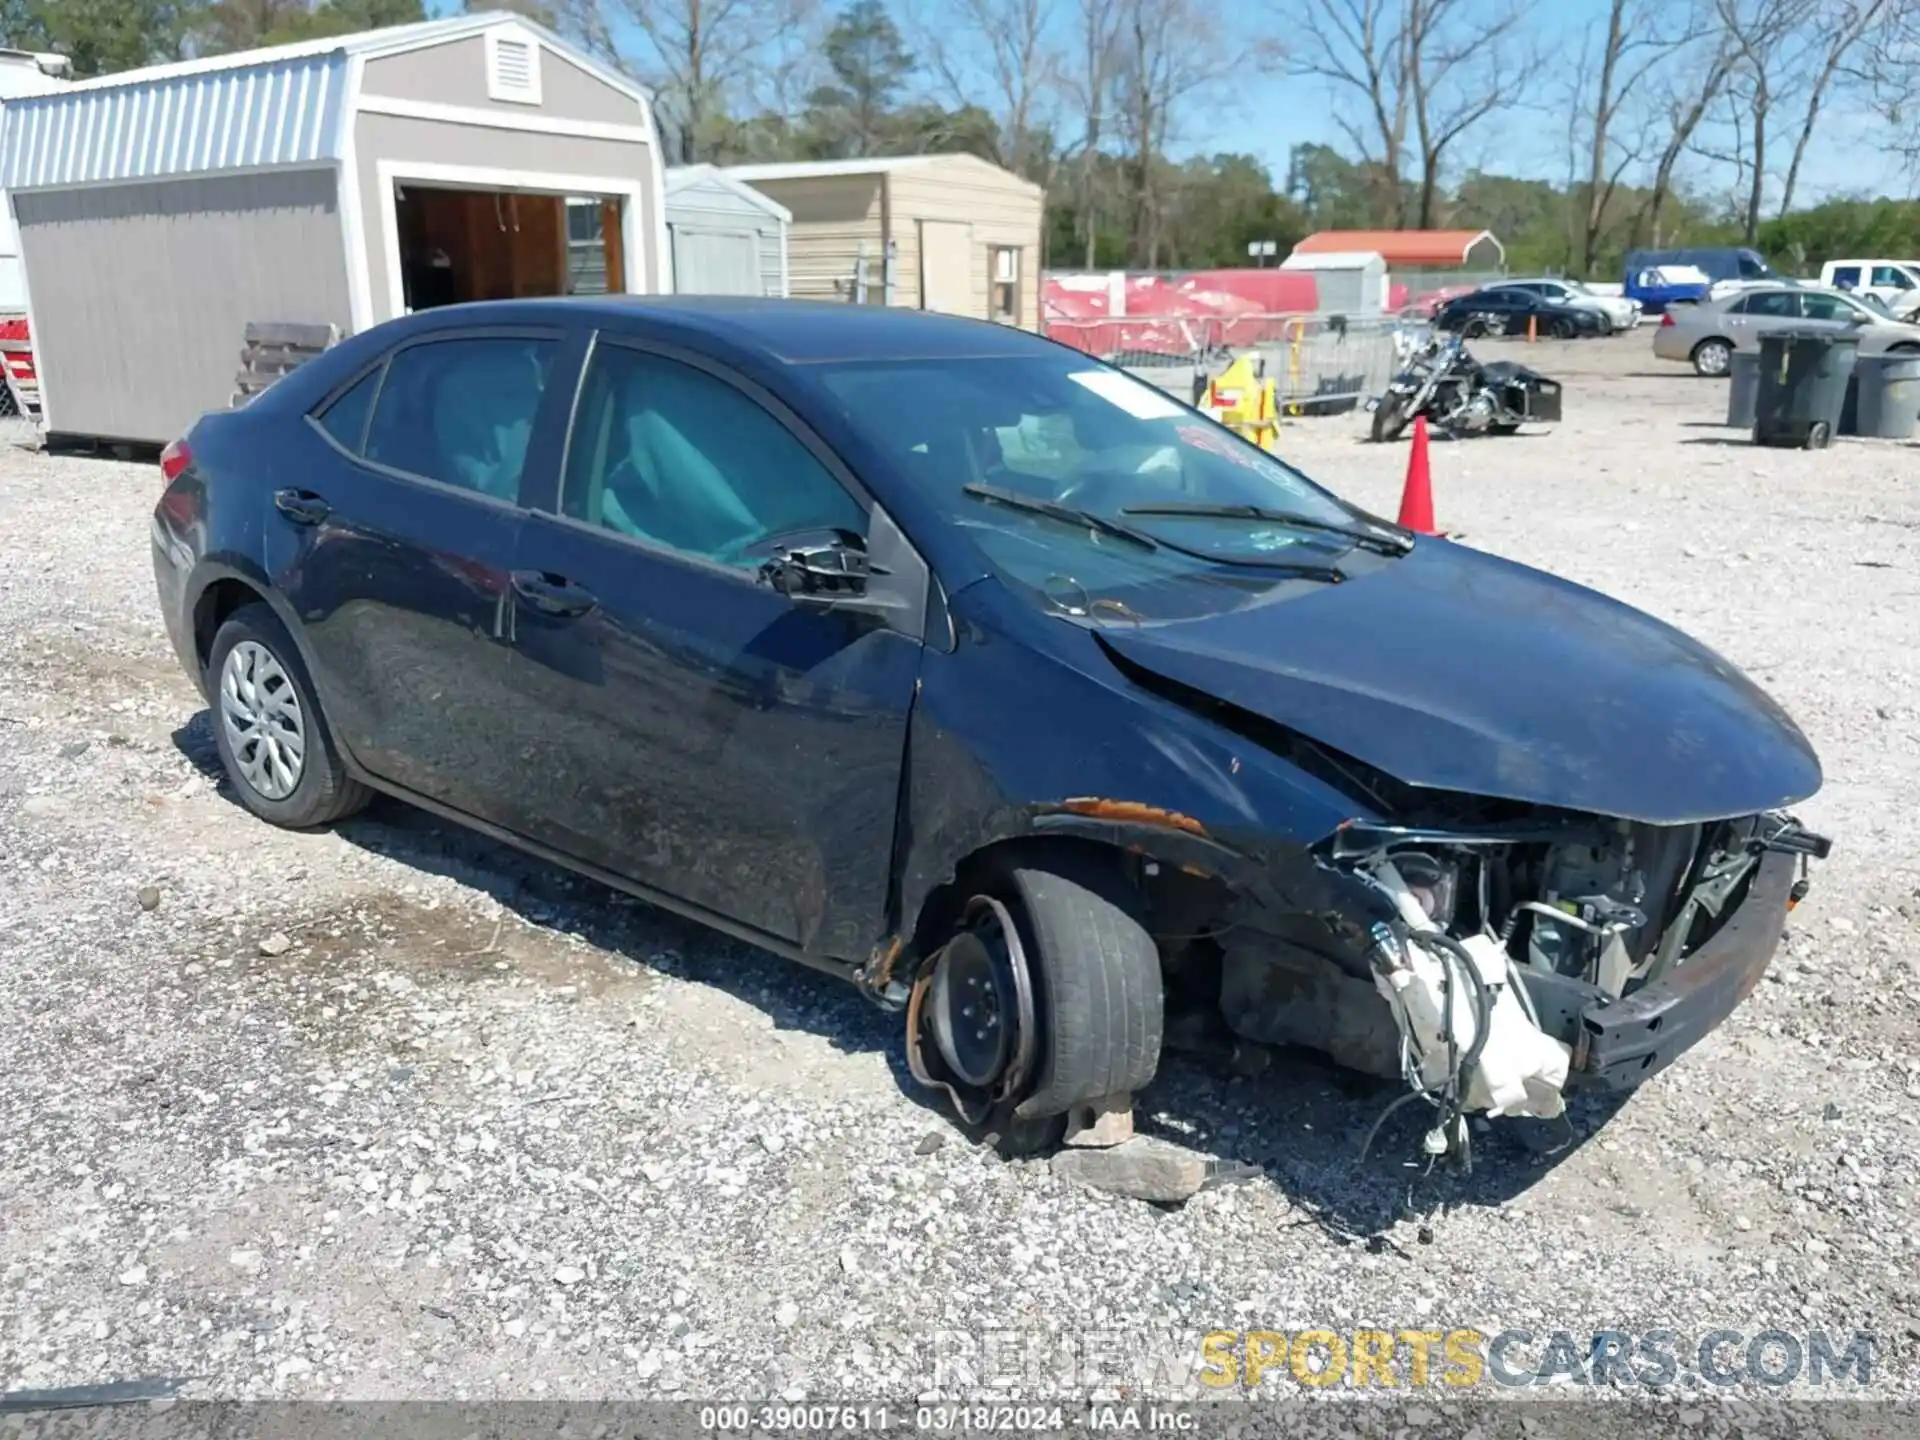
1706	334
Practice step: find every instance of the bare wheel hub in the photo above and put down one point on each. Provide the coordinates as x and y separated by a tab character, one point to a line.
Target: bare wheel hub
975	1003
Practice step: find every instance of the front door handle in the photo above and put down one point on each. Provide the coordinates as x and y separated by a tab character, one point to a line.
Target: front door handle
303	507
552	594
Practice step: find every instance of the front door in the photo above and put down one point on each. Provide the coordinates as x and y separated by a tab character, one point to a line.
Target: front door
704	734
392	534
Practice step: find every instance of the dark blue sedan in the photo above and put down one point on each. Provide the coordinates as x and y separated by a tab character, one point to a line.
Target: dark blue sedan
1007	687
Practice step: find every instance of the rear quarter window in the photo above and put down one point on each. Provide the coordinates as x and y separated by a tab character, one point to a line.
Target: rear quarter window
345	416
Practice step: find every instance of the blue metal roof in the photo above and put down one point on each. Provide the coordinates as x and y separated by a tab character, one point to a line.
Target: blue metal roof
283	112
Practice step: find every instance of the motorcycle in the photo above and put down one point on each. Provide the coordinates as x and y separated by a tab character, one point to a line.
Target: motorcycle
1441	380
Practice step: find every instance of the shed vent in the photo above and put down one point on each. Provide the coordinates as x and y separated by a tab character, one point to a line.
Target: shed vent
513	69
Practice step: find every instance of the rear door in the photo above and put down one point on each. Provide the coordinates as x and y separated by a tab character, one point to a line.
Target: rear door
1746	319
393	541
700	732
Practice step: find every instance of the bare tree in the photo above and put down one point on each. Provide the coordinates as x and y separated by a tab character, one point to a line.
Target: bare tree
1422	74
1166	51
1846	27
1890	71
1360	47
1690	91
1638	39
698	53
1086	83
1768	40
1004	48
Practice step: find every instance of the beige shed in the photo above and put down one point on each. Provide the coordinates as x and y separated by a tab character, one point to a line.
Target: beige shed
952	233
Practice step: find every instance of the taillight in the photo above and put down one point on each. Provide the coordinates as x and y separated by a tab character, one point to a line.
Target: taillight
1666	317
174	459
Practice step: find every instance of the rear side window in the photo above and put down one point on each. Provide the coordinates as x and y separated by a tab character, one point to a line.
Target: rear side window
461	411
1847	275
346	418
1768	302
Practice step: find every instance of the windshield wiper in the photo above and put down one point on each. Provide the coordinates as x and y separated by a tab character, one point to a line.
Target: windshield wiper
1054	510
1068	514
1381	541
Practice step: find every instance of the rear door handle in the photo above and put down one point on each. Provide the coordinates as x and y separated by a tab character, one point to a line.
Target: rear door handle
552	594
303	507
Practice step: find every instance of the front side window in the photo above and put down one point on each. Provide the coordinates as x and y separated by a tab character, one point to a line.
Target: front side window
461	411
1152	502
1816	306
1892	277
668	454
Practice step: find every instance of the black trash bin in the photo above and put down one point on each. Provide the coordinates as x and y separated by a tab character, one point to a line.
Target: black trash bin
1803	387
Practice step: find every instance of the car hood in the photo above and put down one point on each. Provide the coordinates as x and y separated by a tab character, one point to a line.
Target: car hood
1455	670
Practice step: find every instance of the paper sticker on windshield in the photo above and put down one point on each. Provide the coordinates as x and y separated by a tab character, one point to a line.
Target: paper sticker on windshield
1137	398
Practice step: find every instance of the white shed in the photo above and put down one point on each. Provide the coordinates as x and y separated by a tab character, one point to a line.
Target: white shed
22	72
725	237
1350	282
335	182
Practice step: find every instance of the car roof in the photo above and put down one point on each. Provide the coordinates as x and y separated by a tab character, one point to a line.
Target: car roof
790	331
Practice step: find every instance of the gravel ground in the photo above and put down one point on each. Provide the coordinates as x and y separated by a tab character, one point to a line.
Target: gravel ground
391	1111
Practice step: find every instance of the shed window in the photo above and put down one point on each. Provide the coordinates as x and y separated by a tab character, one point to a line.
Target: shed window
513	69
1006	283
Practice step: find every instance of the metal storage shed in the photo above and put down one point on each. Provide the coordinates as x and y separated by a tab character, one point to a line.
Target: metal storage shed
1350	282
333	182
936	232
726	238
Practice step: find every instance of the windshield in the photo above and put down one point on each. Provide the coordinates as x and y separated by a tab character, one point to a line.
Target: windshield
1011	447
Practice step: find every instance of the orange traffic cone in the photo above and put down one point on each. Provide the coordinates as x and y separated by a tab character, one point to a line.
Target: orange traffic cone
1416	500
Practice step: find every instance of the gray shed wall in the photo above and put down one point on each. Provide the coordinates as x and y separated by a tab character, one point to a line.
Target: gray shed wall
434	142
714	208
142	292
456	74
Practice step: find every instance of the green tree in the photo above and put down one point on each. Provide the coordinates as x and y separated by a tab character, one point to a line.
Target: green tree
870	65
101	36
248	24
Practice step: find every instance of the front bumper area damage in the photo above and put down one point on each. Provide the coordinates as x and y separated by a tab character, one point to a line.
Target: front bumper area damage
1495	968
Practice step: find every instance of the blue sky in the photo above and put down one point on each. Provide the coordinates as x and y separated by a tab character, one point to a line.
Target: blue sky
1846	158
1269	115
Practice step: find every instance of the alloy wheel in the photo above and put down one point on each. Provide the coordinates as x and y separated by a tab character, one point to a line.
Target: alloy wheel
266	727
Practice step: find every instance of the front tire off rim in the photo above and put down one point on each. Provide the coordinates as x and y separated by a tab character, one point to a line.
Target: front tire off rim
266	727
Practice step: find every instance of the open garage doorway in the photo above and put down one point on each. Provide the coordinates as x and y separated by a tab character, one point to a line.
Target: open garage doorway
459	244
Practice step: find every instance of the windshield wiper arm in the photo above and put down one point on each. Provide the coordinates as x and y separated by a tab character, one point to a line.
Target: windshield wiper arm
1380	540
1054	510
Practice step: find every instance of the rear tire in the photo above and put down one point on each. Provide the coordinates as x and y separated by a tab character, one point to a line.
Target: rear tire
1560	328
273	739
1473	330
1712	358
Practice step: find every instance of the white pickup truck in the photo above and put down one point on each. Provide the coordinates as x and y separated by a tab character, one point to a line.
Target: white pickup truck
1894	283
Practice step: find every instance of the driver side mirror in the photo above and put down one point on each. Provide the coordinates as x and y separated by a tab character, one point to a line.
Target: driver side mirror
826	577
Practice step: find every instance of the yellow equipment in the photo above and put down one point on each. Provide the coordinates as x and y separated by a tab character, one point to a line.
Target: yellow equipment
1242	399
